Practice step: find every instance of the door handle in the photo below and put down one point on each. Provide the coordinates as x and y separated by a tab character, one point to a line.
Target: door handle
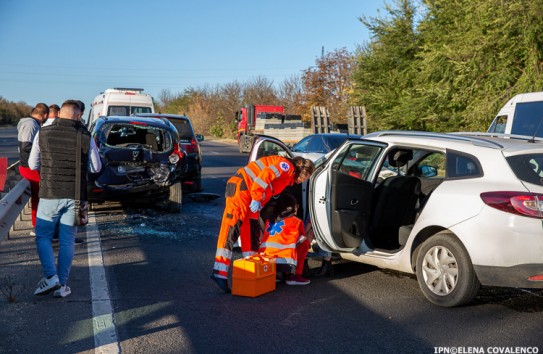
354	202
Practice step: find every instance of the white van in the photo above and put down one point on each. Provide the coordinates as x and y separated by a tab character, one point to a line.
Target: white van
521	115
120	101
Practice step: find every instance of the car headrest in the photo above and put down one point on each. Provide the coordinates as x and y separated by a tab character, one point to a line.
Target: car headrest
399	158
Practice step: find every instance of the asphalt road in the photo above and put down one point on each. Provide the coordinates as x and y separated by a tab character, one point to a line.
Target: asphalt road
156	271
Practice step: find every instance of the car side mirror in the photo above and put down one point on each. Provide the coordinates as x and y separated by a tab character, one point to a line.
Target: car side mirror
199	137
427	171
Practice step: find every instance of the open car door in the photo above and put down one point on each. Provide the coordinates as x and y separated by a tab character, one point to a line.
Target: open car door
266	145
340	195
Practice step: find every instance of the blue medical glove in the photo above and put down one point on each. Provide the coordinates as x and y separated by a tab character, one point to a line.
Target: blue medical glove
255	206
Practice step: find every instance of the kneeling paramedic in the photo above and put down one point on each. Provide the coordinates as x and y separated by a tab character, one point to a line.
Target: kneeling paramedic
284	239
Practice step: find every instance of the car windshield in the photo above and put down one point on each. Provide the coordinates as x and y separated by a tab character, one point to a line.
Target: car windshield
127	135
528	167
334	141
127	110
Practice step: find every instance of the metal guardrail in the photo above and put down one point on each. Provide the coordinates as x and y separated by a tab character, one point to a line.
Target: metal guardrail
12	205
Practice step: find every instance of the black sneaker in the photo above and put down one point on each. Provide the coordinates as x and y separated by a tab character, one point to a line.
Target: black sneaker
222	283
79	241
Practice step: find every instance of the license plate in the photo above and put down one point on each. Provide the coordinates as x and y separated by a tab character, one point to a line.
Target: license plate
131	169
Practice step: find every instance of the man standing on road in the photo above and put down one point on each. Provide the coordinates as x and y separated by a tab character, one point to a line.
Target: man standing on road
55	155
27	128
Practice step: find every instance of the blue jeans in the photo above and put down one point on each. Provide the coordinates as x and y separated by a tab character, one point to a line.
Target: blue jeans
50	213
323	253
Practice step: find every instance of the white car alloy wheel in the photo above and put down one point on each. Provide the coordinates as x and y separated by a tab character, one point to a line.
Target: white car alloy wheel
444	271
440	270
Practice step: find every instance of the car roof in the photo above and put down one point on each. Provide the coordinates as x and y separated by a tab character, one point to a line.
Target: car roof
162	115
487	140
128	119
336	134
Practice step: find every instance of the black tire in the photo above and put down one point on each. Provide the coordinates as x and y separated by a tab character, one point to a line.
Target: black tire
175	198
245	143
445	272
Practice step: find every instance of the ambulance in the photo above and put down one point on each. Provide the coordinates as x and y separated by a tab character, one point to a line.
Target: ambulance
120	101
521	115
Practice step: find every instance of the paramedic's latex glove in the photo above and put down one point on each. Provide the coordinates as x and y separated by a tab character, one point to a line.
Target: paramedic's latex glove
255	206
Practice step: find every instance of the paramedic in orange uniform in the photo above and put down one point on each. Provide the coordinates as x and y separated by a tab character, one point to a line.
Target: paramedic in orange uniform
284	239
246	193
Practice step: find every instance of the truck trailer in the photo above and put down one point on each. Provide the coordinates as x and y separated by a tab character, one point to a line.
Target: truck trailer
254	120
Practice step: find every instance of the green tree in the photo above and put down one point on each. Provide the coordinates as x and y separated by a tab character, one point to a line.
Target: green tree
386	69
452	67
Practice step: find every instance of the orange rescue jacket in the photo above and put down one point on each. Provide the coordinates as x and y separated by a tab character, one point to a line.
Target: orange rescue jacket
268	176
280	239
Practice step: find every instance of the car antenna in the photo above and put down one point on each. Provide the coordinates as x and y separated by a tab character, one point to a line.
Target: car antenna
532	140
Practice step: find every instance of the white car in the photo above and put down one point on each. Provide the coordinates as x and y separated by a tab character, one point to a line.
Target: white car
461	210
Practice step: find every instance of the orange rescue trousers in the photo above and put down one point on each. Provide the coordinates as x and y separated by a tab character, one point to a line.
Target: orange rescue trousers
237	222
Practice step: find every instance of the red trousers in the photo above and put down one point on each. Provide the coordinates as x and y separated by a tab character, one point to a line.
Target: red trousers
34	177
302	250
237	222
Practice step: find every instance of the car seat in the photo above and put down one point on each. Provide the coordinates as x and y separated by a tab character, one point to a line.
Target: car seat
150	140
395	202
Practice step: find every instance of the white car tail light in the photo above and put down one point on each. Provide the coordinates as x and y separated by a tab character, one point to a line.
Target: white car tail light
520	203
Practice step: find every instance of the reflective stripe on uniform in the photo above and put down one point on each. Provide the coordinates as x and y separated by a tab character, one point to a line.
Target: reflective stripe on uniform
247	254
224	253
289	261
275	170
261	183
220	267
278	245
260	164
250	173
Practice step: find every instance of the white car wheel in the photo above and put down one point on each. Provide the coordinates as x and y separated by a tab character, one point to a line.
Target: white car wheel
444	271
440	270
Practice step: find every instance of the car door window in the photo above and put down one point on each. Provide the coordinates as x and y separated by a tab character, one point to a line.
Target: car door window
460	165
431	166
359	161
498	126
268	148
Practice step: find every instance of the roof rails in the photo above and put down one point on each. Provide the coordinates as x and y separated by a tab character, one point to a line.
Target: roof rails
502	135
449	136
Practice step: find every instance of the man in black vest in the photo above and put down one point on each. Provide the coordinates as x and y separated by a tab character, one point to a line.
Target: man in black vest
54	154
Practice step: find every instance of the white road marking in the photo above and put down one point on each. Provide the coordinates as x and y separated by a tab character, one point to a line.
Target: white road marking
105	334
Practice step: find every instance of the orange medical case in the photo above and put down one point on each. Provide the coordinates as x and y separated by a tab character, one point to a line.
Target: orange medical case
253	276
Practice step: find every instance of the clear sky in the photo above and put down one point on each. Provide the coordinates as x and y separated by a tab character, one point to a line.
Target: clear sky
53	50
